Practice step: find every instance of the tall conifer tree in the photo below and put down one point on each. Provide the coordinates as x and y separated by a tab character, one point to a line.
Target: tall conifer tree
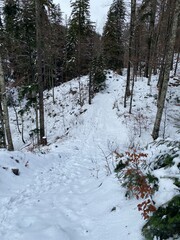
113	36
78	38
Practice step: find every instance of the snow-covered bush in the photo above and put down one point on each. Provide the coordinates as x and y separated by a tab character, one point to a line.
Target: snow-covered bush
165	222
132	171
167	154
153	175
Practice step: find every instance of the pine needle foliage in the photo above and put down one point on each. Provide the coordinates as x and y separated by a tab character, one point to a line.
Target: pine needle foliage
113	45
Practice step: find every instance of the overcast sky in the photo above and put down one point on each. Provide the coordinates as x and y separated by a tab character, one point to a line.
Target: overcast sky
98	10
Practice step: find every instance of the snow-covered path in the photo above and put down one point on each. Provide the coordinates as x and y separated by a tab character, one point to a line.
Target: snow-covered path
71	197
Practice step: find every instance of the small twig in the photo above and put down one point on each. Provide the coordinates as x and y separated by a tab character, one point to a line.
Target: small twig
107	166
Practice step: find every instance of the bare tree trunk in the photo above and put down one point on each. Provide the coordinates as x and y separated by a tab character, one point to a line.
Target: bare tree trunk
90	71
151	41
2	129
156	54
40	70
5	110
132	26
90	87
37	123
177	61
174	12
165	5
135	66
132	90
172	60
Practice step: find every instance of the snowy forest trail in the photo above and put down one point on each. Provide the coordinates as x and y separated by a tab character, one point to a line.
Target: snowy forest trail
70	199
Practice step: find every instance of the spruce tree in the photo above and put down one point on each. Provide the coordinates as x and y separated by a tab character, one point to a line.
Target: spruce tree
98	73
78	39
54	42
19	31
113	36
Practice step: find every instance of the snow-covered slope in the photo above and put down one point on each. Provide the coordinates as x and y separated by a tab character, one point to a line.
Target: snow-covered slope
67	190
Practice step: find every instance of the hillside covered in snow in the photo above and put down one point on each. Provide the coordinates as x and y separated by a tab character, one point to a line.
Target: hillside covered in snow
77	187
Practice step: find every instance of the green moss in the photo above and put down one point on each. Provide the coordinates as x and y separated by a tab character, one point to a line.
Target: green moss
165	222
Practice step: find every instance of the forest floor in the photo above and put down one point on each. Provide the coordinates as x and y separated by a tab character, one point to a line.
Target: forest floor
68	190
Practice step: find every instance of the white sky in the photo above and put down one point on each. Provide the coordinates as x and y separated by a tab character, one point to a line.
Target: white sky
98	10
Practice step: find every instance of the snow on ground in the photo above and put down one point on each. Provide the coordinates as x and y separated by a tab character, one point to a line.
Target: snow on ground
65	190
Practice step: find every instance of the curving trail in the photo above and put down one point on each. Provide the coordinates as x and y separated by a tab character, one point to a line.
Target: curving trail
66	200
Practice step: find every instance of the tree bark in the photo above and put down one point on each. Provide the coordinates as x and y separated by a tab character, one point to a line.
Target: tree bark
174	11
90	87
132	26
10	146
177	61
40	71
151	41
156	53
2	129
